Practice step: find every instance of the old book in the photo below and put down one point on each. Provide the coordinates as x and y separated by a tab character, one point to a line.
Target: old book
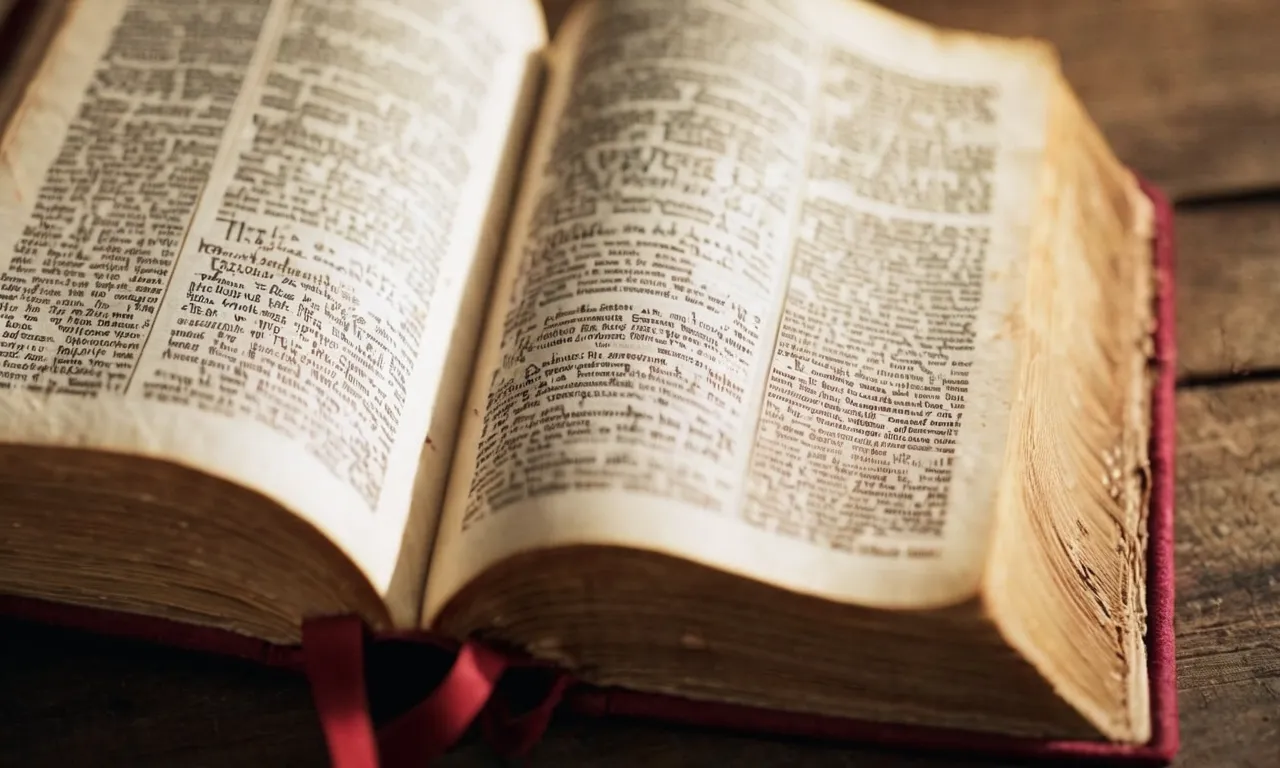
787	356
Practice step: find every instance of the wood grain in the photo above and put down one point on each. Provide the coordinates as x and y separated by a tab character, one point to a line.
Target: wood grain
67	699
1228	565
1228	276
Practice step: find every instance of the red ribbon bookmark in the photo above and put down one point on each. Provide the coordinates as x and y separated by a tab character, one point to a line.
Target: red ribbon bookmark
333	655
429	729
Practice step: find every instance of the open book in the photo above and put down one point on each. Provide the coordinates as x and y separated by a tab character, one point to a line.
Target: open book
783	353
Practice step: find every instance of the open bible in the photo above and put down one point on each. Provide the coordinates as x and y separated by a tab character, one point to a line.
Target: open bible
781	354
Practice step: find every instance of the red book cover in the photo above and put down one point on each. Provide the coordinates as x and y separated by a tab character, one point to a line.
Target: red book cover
332	653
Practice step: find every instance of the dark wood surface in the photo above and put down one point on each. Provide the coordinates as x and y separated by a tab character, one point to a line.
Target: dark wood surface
1188	92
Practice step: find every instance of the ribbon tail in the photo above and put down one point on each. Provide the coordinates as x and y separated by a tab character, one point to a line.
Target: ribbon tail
333	656
428	730
515	736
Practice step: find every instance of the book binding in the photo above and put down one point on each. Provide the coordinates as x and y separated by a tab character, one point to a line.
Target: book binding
475	688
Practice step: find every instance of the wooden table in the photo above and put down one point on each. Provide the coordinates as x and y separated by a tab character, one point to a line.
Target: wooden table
1188	92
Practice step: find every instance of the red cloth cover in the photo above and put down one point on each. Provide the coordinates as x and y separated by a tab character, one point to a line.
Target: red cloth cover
333	650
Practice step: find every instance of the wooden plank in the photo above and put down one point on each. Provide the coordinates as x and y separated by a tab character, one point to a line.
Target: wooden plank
1228	275
1228	565
68	699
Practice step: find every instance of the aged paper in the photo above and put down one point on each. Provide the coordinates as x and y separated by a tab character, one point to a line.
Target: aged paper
661	237
1067	574
886	412
653	260
237	235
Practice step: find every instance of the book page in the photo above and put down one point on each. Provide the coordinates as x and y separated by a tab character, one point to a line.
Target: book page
887	409
236	235
628	392
617	389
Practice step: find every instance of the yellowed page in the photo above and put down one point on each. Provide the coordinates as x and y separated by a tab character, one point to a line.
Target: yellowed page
887	410
630	417
237	235
615	395
1067	572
